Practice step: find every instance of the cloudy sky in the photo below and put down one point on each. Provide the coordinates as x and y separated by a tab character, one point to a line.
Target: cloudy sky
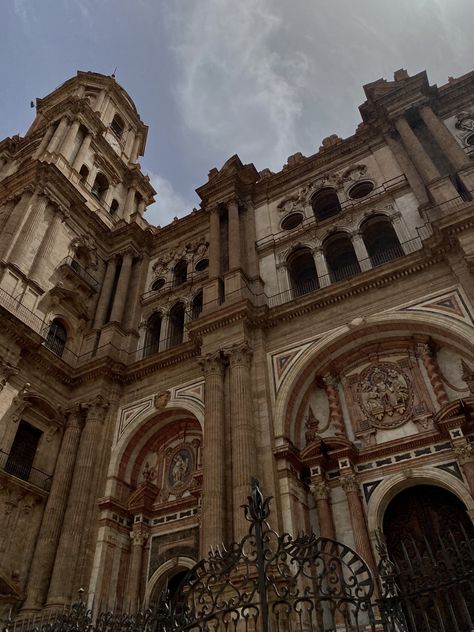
261	78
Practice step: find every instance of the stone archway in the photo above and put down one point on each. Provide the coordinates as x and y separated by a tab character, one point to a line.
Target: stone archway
164	574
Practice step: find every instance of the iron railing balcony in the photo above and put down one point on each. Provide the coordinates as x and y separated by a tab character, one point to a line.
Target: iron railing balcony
24	471
80	271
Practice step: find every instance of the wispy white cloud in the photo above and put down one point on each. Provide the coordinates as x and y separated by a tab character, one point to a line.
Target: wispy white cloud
235	88
169	204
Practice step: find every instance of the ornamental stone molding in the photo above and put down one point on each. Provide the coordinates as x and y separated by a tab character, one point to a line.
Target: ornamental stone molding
96	409
320	490
465	120
467	376
464	453
138	536
7	371
160	401
350	484
212	363
239	354
192	251
19	403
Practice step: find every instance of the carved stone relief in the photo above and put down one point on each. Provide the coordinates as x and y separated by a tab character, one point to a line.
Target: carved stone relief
385	395
465	120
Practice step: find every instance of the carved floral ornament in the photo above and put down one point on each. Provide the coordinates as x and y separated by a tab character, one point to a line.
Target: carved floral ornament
385	395
465	120
192	251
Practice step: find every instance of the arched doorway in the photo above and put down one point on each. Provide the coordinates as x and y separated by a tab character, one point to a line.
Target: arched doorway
429	538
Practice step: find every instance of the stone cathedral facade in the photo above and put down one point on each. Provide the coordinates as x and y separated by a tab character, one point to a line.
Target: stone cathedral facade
312	327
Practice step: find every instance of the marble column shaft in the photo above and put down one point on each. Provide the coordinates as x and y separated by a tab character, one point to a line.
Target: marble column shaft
357	516
213	456
416	151
321	494
214	243
444	138
28	231
43	559
105	293
64	573
408	168
234	239
122	288
335	410
58	134
244	454
428	356
138	538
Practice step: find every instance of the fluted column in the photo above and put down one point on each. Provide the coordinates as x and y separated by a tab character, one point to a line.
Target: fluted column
335	410
44	141
28	232
105	293
63	578
138	538
58	134
68	142
321	493
136	149
351	488
47	244
406	165
10	230
444	138
82	153
43	558
416	151
122	288
465	456
214	243
428	356
360	250
244	454
234	240
213	457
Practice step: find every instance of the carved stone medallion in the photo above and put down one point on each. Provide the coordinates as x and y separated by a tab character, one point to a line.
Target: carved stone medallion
465	120
385	395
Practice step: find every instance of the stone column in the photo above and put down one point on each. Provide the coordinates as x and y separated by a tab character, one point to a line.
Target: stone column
9	232
6	210
105	293
58	135
44	141
351	488
335	410
406	165
47	244
68	142
62	585
129	143
321	266
428	355
129	203
213	456
235	255
138	538
99	101
416	151
465	456
82	153
134	289
361	251
214	243
244	453
136	149
444	138
122	288
29	230
164	331
46	545
321	494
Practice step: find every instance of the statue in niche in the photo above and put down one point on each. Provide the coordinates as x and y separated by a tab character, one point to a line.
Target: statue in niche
180	468
385	395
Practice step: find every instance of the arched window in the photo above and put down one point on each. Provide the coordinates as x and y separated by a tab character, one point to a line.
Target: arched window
176	324
470	140
100	186
325	204
340	257
361	190
153	333
180	273
57	337
380	240
114	207
117	126
196	308
302	272
84	172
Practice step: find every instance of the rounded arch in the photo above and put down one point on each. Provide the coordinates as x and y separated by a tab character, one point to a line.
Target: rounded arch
318	355
302	271
340	256
325	203
394	484
100	186
380	239
168	569
57	336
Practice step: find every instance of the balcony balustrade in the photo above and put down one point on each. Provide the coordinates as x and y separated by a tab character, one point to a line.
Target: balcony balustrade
24	471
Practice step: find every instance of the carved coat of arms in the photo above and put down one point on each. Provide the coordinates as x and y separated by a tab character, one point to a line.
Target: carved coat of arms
385	395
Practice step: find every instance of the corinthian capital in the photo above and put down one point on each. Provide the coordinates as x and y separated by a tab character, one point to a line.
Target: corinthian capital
96	408
349	483
239	354
320	490
464	453
212	363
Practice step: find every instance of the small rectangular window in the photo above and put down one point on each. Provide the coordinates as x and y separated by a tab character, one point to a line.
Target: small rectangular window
23	451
